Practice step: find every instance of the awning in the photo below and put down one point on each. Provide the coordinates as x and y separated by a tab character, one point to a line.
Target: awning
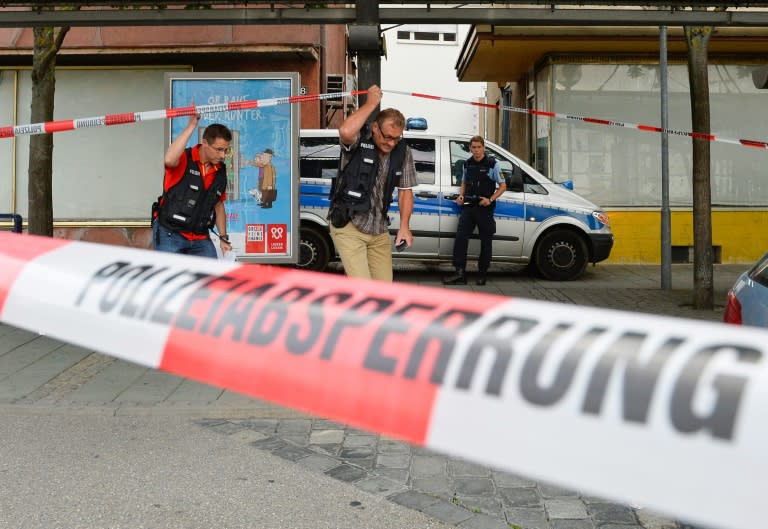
506	53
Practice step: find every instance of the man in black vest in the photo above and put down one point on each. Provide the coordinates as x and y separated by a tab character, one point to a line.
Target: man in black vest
194	191
374	161
481	185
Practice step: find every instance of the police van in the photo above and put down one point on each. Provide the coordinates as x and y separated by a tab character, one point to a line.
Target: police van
539	223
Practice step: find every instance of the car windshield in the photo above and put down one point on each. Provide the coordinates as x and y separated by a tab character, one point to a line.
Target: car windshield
759	272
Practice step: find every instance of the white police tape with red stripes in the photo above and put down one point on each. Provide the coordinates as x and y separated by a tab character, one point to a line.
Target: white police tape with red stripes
10	131
666	412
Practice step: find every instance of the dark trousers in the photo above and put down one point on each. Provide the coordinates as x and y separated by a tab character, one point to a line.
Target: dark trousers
472	216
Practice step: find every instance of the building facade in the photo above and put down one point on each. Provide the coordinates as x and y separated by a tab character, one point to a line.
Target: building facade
105	179
613	74
420	58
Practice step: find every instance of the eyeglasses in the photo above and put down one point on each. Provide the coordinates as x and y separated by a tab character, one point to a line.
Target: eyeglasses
386	137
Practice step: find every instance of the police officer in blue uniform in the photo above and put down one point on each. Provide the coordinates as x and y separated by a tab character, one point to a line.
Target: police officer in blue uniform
481	185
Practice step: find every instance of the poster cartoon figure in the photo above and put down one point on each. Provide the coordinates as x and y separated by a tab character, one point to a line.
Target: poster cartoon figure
267	179
263	159
265	191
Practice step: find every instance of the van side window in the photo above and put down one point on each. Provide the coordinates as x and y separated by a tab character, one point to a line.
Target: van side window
423	150
505	165
319	157
532	186
459	154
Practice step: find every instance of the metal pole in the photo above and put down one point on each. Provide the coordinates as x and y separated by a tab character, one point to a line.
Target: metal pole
368	62
666	236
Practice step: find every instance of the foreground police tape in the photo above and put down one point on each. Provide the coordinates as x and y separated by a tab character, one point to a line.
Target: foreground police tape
666	412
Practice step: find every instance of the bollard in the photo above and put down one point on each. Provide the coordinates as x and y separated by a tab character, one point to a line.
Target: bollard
16	221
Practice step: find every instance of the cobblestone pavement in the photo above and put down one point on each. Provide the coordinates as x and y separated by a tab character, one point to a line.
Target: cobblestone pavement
455	491
41	375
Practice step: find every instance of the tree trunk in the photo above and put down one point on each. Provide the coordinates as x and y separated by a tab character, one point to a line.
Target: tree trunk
47	42
703	287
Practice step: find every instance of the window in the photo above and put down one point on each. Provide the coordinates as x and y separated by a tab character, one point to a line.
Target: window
334	84
505	165
319	157
426	35
460	152
759	273
423	150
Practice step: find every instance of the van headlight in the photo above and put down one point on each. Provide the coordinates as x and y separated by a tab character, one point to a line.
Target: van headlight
602	216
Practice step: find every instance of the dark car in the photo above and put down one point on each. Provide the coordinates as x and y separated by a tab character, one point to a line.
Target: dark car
747	302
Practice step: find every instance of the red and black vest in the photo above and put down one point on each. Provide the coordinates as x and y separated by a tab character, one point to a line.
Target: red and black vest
188	206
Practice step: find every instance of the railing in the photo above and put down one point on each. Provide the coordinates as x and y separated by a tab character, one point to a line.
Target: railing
16	220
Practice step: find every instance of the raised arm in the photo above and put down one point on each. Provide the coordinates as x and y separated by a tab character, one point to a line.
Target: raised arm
173	154
351	126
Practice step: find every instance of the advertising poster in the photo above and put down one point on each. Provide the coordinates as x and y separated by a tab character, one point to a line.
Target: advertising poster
262	195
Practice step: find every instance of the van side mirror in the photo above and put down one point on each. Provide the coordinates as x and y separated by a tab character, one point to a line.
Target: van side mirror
515	179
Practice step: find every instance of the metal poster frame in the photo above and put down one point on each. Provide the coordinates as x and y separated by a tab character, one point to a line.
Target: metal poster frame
262	194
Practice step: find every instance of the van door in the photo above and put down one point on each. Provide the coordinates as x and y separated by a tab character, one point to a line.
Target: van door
509	213
425	220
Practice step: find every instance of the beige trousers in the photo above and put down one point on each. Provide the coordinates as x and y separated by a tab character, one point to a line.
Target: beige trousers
363	255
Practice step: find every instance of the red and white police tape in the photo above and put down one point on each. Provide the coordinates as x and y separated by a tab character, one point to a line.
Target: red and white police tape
669	413
48	127
595	121
11	131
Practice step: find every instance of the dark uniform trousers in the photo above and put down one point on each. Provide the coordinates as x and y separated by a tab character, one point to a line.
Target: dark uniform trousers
472	216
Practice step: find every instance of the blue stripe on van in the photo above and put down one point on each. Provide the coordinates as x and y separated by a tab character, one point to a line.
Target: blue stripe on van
316	196
542	213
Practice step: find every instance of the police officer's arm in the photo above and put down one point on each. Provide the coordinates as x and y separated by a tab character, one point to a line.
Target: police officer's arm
221	226
176	148
351	126
405	204
500	189
460	198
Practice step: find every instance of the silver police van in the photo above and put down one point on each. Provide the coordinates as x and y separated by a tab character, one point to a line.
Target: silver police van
539	223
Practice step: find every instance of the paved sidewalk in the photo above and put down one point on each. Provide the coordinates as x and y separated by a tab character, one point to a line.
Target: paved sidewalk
42	376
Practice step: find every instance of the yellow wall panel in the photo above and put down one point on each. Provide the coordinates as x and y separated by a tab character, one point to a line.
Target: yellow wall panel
742	235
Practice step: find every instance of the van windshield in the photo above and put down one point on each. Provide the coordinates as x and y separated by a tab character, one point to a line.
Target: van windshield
319	157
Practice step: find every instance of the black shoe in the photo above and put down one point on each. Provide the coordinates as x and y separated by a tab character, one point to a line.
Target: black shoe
459	278
481	280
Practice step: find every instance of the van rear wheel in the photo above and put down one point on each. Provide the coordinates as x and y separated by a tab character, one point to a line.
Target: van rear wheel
561	255
314	250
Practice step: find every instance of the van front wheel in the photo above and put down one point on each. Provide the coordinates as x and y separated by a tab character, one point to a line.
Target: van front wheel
314	250
561	255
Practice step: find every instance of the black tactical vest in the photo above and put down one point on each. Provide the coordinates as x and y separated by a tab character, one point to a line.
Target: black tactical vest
188	206
478	182
354	185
